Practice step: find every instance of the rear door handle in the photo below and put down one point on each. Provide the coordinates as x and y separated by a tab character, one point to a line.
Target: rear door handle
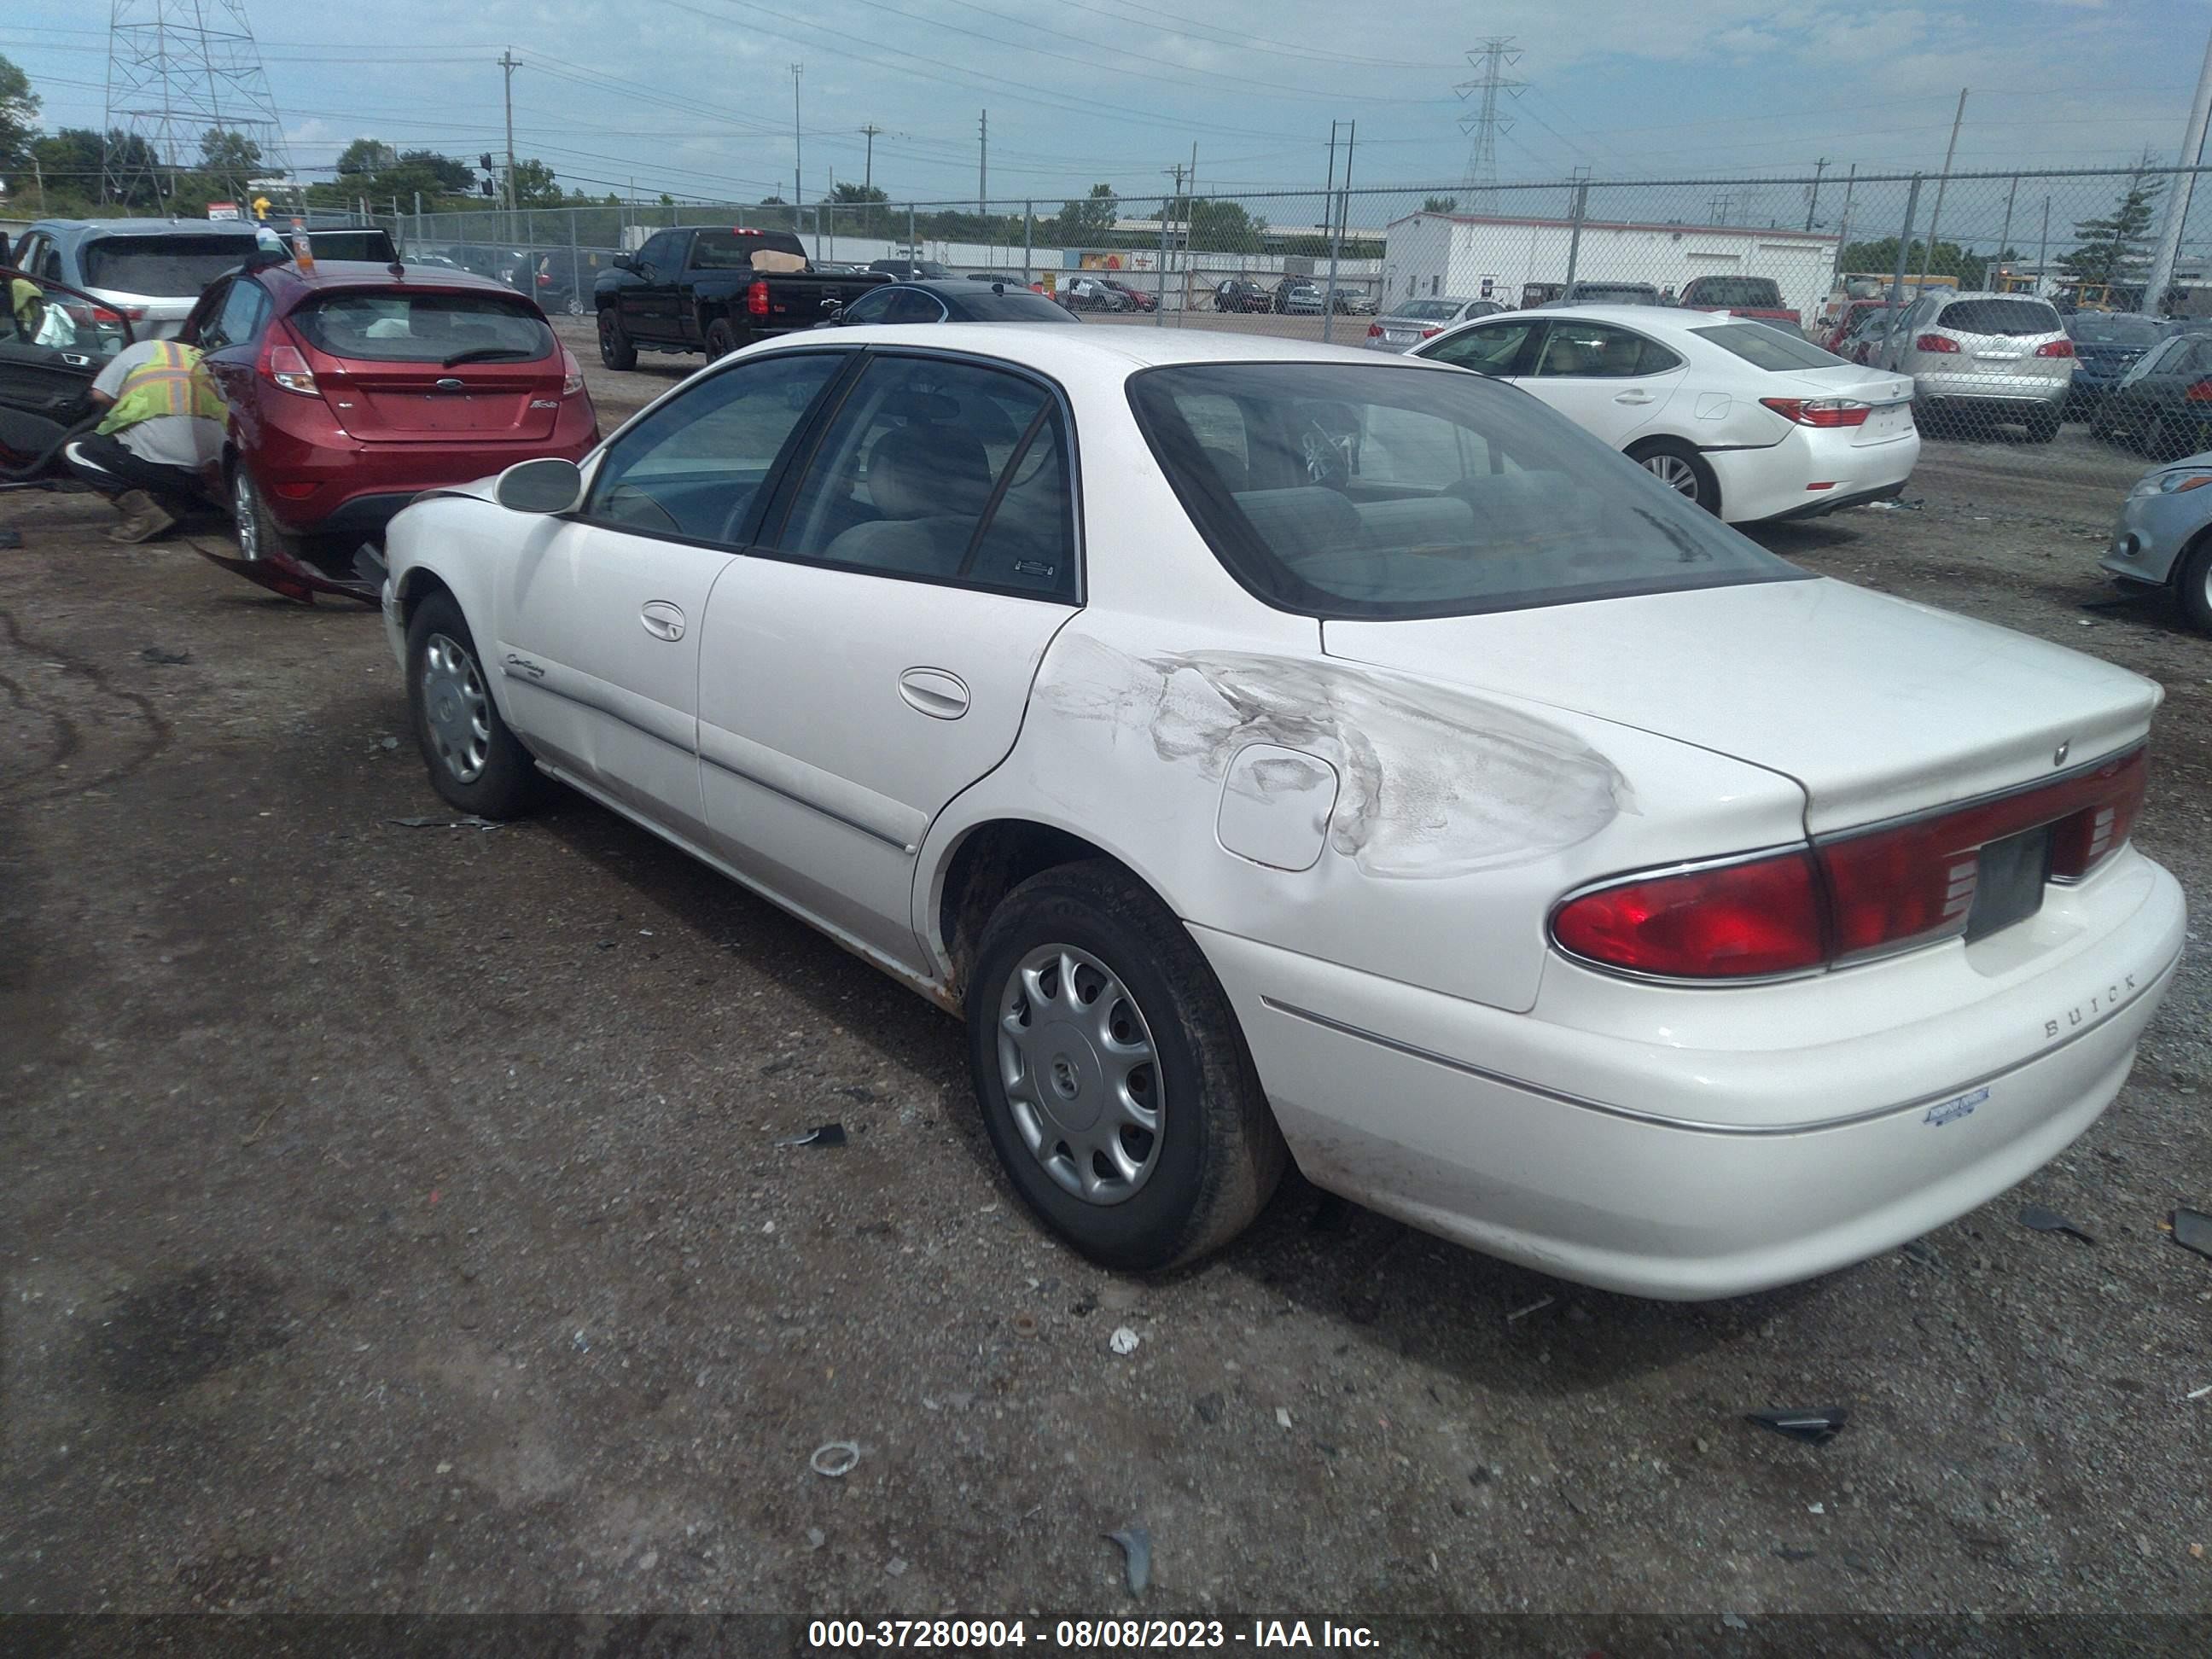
935	692
1634	397
662	620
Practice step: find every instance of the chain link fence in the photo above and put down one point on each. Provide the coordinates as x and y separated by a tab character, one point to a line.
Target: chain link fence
2013	301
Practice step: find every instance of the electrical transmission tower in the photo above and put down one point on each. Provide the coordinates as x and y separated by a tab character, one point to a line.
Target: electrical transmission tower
177	70
1491	58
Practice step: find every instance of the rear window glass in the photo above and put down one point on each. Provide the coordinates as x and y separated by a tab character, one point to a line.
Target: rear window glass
373	247
1625	293
1019	307
2115	330
724	250
1349	491
1736	291
1428	310
161	267
1769	348
425	328
2013	318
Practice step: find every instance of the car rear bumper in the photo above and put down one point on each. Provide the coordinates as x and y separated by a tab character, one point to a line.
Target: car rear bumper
1686	1171
1999	392
349	487
1778	482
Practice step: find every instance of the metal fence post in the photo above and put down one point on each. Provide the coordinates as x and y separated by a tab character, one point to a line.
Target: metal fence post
1160	276
1028	236
1574	237
1335	246
1897	282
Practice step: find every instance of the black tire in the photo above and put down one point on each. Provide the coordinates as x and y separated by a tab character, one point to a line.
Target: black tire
507	783
2192	585
616	350
1218	1155
1685	471
722	339
576	307
2043	426
260	535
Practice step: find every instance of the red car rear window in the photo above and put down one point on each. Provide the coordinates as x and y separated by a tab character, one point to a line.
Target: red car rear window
425	328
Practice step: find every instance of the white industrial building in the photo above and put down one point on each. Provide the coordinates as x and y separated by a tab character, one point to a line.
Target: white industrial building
1456	253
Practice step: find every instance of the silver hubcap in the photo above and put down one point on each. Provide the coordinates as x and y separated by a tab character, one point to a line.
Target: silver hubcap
249	524
1674	472
459	712
1080	1074
576	305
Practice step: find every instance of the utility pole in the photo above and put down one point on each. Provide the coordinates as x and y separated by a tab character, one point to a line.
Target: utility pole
868	167
2004	236
797	190
1843	226
1813	207
1338	210
506	62
2177	199
2042	253
983	166
1936	217
1160	276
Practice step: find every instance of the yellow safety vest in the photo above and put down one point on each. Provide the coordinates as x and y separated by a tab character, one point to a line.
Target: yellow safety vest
27	302
171	382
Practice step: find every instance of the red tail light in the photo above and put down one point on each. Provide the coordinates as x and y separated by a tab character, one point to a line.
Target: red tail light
282	365
1819	411
1857	895
2200	391
756	299
1430	333
544	279
2055	349
1374	331
1935	343
572	373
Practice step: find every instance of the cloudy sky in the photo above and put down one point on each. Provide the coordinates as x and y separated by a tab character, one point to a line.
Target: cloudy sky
694	97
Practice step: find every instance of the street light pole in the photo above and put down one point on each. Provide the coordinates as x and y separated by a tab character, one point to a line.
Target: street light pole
797	189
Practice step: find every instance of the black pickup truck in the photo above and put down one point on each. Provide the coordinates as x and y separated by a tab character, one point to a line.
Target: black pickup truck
713	289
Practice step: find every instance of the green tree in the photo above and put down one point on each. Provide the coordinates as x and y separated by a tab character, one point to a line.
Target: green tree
1220	226
1439	204
2117	245
845	193
19	115
1089	221
1948	259
229	158
370	155
535	185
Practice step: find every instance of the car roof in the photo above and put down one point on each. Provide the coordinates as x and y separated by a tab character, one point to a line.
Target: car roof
1652	320
329	274
952	288
86	230
1074	351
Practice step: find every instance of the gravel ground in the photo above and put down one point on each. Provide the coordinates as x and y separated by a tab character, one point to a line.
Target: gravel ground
395	1220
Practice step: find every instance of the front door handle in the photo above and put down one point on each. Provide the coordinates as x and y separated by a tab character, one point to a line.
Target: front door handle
1634	397
662	620
933	692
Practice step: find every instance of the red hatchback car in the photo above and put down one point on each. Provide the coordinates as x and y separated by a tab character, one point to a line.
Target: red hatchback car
353	387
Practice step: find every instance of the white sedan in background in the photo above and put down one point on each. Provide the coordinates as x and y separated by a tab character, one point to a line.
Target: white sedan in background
1749	421
1278	752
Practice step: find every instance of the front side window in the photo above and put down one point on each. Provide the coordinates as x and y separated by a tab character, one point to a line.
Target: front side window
658	256
1401	490
43	318
695	467
950	470
1493	349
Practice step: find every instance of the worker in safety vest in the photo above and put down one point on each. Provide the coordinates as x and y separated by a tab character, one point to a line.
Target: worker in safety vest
164	423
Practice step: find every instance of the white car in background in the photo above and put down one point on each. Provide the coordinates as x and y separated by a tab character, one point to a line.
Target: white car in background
1412	321
1275	752
1750	421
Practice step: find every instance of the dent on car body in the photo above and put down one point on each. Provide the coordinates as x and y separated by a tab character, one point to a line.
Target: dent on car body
1434	783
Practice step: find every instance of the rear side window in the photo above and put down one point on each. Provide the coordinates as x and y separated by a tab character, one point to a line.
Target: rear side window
1769	348
446	329
2014	319
168	267
245	309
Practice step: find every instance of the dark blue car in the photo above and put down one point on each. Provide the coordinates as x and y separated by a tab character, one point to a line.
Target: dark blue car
2106	346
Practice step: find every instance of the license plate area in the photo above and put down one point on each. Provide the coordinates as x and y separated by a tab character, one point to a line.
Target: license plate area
2010	884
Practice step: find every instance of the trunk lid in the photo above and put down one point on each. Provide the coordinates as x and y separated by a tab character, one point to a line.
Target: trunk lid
403	365
1875	706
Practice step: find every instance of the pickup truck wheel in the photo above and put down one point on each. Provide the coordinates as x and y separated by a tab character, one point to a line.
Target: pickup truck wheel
1115	1086
722	339
475	764
615	350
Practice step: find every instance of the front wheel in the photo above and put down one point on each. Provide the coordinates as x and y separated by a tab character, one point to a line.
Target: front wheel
1115	1083
1681	469
616	350
475	764
2192	585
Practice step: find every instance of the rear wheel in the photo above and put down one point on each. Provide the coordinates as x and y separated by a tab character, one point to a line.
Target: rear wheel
616	350
1681	469
2043	426
1114	1084
2192	585
722	339
260	535
475	764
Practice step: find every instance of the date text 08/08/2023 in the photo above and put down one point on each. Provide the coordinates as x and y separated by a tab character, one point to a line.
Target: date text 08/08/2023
1084	1635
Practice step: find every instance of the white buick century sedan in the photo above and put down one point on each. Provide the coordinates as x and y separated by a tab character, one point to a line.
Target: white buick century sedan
1278	753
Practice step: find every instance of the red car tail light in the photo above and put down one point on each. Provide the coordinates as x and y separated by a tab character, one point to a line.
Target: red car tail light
572	373
1374	331
2199	391
1861	894
1430	333
1731	921
1935	343
282	365
2055	349
756	299
1820	411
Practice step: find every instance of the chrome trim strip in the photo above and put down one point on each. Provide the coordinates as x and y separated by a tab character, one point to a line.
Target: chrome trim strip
835	817
1743	1130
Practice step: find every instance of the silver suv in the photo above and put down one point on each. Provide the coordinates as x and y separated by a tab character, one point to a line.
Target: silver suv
1982	356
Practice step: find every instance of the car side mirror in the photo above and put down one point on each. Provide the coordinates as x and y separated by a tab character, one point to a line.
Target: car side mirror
549	485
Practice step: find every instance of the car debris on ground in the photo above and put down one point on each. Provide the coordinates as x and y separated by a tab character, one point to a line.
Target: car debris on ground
1816	1427
1136	1548
2049	1221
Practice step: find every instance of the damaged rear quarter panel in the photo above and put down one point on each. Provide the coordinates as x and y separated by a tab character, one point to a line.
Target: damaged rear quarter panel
1462	815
